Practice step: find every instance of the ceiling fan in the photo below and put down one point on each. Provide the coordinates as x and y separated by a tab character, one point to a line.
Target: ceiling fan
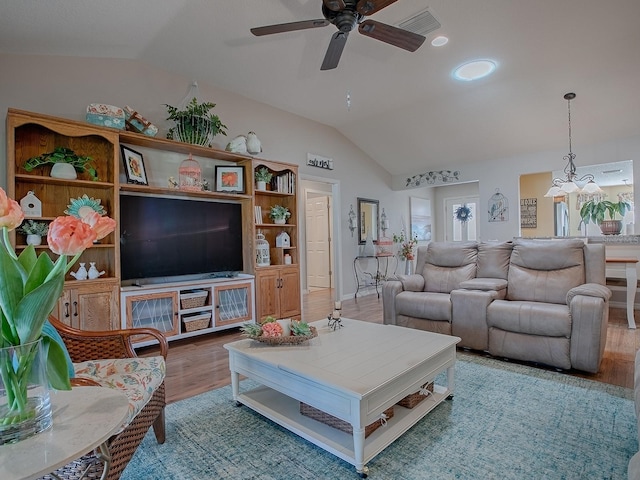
345	15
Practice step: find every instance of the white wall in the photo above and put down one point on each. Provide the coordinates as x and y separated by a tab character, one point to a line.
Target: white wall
64	86
504	174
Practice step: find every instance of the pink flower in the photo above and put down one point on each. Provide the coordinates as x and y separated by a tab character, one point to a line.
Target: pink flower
103	226
271	329
69	236
11	214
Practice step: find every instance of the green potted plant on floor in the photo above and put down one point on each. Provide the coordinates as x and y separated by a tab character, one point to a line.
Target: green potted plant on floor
594	211
279	214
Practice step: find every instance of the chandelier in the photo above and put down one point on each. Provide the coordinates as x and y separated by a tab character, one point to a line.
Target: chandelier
563	186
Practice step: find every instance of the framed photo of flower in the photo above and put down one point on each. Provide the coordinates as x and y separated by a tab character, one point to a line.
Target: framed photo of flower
229	179
134	166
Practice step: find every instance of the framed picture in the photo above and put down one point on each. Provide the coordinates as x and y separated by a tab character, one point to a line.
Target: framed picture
134	166
229	179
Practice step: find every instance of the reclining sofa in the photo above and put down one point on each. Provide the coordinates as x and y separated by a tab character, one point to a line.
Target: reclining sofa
543	301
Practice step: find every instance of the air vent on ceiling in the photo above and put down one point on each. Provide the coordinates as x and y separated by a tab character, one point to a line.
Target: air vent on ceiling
421	23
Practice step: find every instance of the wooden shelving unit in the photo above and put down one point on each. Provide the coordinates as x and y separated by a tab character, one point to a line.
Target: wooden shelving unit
32	134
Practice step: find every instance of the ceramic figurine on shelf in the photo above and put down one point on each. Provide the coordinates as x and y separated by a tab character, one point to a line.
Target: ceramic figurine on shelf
93	271
172	182
81	274
254	146
237	145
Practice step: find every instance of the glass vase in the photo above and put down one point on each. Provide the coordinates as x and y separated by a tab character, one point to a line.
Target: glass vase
25	405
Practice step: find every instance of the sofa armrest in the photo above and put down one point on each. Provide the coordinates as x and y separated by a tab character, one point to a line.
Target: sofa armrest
411	283
391	288
486	285
589	290
589	309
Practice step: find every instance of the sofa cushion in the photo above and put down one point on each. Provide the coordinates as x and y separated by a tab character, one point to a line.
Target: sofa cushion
452	254
545	270
444	279
531	318
138	378
434	306
485	284
493	259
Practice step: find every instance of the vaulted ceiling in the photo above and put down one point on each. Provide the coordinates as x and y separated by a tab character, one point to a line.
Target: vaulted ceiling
406	111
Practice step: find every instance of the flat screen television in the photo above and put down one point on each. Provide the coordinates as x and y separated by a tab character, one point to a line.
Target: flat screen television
168	239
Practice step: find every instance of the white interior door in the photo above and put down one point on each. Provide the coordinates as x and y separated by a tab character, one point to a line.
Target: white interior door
318	240
455	230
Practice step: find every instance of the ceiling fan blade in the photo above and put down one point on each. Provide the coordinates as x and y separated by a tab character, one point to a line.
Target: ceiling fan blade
369	7
334	5
289	27
392	35
334	52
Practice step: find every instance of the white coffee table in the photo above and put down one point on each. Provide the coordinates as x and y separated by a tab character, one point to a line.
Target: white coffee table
353	373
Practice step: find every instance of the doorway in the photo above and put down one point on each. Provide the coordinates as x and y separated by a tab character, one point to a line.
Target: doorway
456	230
318	213
319	227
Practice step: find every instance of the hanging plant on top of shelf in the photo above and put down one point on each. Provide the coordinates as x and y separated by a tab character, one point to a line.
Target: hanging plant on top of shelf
193	122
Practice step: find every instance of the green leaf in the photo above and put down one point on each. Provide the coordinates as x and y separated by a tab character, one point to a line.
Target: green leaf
57	370
38	272
11	284
36	306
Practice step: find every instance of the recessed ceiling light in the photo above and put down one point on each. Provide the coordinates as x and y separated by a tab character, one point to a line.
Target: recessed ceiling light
439	41
474	70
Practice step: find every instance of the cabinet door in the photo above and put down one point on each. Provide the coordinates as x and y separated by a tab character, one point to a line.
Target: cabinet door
95	307
154	310
90	306
268	301
289	292
233	304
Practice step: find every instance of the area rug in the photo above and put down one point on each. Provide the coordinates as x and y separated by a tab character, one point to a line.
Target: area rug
507	421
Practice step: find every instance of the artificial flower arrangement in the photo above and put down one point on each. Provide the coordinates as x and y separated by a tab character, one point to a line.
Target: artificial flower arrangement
30	286
271	331
406	245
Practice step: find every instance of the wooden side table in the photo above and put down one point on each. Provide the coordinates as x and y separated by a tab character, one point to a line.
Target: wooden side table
631	275
83	419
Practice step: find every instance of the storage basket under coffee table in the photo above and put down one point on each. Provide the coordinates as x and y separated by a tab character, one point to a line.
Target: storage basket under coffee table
334	422
354	373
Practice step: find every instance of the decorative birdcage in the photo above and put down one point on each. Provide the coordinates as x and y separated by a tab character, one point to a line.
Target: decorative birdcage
262	251
190	175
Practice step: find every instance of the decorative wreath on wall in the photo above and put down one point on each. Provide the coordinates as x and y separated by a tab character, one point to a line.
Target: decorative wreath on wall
463	214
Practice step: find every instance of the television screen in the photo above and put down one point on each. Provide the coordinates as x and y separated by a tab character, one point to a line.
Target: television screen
169	237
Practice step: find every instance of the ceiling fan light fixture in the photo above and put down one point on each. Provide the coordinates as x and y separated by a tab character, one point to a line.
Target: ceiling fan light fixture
474	70
439	41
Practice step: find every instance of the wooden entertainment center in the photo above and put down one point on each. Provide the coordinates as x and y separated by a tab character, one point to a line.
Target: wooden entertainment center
103	303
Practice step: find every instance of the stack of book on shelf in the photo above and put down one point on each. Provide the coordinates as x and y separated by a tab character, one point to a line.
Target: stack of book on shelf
284	183
258	213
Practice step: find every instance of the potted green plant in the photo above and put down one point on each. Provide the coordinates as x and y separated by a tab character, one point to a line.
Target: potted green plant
263	176
65	164
594	211
194	124
34	231
279	214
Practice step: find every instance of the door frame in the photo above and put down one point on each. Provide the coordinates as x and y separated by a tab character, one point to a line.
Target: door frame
336	239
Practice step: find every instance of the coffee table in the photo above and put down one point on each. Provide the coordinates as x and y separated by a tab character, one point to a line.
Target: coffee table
353	373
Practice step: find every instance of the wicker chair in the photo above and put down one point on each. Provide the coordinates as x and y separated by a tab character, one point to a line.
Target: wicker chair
116	344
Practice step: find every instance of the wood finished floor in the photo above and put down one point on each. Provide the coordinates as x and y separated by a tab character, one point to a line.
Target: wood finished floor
199	364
